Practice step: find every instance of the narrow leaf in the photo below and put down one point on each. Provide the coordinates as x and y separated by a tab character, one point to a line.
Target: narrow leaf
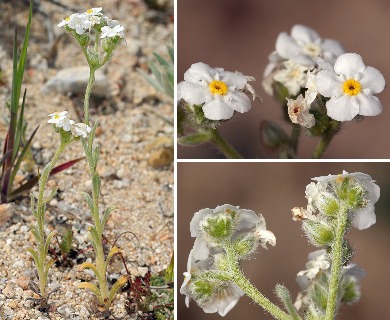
48	240
116	286
5	156
20	159
88	199
285	297
106	215
93	288
91	266
65	166
33	181
195	139
19	129
114	251
67	240
48	266
35	257
51	195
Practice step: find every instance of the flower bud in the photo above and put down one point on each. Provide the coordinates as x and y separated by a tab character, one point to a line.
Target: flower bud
246	245
82	39
318	232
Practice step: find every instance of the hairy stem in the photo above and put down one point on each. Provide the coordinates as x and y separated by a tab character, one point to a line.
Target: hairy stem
241	281
88	91
337	260
325	140
223	145
40	216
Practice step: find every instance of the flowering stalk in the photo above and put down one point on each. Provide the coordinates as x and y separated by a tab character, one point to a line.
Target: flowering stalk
326	139
223	145
243	283
38	207
337	261
81	25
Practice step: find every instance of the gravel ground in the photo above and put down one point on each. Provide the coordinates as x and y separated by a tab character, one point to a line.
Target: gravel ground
136	170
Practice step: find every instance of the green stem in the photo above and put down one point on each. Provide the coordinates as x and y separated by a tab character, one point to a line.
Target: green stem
295	134
88	91
223	145
326	139
241	281
337	260
41	205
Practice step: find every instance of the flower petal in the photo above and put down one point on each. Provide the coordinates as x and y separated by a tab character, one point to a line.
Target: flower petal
327	84
285	46
191	92
369	105
349	64
373	80
233	79
303	34
217	109
238	101
332	49
364	218
201	250
343	108
200	73
196	219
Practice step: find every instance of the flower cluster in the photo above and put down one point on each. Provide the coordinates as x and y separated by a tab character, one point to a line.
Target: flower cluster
335	203
314	281
224	234
82	23
312	69
219	93
61	120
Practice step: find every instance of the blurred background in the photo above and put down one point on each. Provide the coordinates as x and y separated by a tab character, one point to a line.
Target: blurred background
272	189
239	35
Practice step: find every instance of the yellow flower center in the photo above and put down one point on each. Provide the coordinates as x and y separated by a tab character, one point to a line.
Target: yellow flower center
67	19
56	116
89	11
351	87
218	87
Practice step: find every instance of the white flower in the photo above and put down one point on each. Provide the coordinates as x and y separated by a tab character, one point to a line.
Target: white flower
79	22
108	32
298	111
220	92
265	236
65	21
57	117
305	45
364	217
94	12
60	120
311	92
222	299
317	261
80	130
350	85
292	76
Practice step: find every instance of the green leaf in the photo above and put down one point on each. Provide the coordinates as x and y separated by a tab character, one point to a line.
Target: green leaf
195	139
88	199
66	242
285	297
19	131
20	159
51	195
48	240
116	286
93	288
91	266
106	215
35	257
